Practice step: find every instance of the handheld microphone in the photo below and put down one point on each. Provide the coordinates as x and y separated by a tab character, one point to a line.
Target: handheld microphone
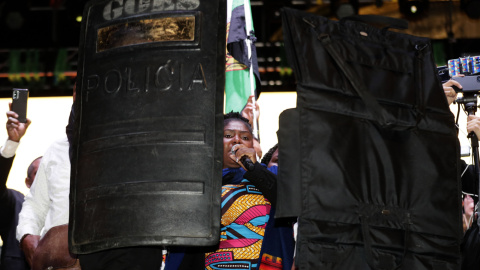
246	161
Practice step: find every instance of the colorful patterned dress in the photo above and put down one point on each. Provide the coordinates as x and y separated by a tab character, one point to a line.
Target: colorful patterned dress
245	213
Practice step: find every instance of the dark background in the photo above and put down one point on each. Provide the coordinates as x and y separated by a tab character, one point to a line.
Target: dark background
39	38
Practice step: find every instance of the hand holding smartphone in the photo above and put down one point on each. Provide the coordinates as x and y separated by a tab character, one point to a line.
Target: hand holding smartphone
19	103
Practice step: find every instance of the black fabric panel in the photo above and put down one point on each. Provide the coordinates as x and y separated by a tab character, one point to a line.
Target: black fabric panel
369	194
289	179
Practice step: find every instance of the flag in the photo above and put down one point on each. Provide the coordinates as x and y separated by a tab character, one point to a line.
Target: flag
237	65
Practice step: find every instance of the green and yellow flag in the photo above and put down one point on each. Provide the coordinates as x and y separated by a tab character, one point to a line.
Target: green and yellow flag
240	45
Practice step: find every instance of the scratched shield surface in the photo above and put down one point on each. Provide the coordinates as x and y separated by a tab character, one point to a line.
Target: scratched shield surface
147	152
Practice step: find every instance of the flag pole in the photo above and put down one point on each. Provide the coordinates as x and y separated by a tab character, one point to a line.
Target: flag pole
250	36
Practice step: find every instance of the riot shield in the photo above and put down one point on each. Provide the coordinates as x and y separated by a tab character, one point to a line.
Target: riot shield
147	153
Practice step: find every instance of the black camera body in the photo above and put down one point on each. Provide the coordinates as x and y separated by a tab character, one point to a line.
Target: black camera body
469	84
443	73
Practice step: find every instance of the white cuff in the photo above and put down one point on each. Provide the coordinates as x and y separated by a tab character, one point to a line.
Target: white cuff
9	148
24	230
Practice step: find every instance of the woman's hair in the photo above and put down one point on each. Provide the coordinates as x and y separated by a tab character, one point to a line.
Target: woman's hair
268	156
236	116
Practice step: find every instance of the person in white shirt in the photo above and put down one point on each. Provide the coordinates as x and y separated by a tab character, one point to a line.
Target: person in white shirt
47	204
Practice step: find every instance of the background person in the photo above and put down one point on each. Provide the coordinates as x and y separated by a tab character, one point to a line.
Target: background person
32	171
47	204
468	208
12	257
470	247
271	157
46	209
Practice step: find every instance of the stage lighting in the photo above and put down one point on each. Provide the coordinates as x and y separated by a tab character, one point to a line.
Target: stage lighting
413	9
14	20
344	8
471	8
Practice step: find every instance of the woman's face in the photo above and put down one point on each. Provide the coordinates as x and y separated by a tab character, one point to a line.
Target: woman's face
235	132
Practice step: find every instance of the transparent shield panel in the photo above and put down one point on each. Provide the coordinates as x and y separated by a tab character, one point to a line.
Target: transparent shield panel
146	31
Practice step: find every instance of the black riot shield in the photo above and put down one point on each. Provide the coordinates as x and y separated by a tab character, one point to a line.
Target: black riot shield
147	154
369	159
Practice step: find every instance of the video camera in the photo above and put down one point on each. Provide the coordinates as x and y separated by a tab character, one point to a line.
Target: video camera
469	67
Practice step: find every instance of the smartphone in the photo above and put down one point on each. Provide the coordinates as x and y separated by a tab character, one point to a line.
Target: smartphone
19	103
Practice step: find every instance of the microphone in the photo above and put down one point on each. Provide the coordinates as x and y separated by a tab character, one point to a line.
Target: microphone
246	161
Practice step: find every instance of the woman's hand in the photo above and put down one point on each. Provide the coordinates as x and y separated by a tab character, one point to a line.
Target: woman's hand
239	151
